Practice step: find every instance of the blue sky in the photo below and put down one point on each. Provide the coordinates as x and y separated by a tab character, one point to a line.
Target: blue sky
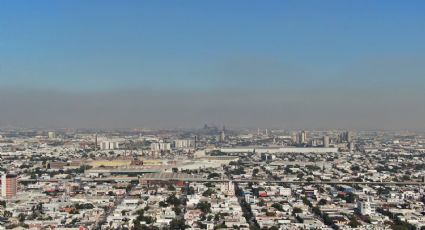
287	64
101	45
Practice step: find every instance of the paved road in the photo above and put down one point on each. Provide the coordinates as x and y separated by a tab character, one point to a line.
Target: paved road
104	217
119	179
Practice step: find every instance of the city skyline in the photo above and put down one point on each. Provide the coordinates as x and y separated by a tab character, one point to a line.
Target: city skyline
220	114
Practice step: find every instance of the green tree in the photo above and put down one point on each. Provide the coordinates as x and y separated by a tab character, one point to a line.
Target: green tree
322	202
354	223
163	204
171	188
177	224
204	207
21	217
278	207
213	175
208	192
255	172
173	200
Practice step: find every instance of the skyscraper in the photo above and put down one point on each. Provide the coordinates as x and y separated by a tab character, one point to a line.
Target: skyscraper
302	138
326	141
348	136
95	142
222	136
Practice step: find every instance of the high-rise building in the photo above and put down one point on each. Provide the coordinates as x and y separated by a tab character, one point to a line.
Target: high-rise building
155	147
8	185
345	137
302	139
51	135
160	146
165	146
109	145
294	137
180	144
348	136
351	146
222	135
326	141
95	142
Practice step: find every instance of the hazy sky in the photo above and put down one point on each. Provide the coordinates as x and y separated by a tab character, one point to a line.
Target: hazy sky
165	64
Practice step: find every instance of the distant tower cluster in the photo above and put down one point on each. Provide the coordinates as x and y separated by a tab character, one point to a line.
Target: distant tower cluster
262	133
345	137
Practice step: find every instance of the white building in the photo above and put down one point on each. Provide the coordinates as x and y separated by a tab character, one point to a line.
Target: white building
51	135
109	145
228	188
160	146
367	207
326	141
182	143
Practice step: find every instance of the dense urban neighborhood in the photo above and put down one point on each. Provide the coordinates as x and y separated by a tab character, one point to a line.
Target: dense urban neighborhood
211	178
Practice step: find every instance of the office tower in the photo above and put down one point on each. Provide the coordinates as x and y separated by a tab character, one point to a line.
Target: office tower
222	135
294	137
51	135
345	137
95	142
348	136
8	185
302	137
326	141
351	146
